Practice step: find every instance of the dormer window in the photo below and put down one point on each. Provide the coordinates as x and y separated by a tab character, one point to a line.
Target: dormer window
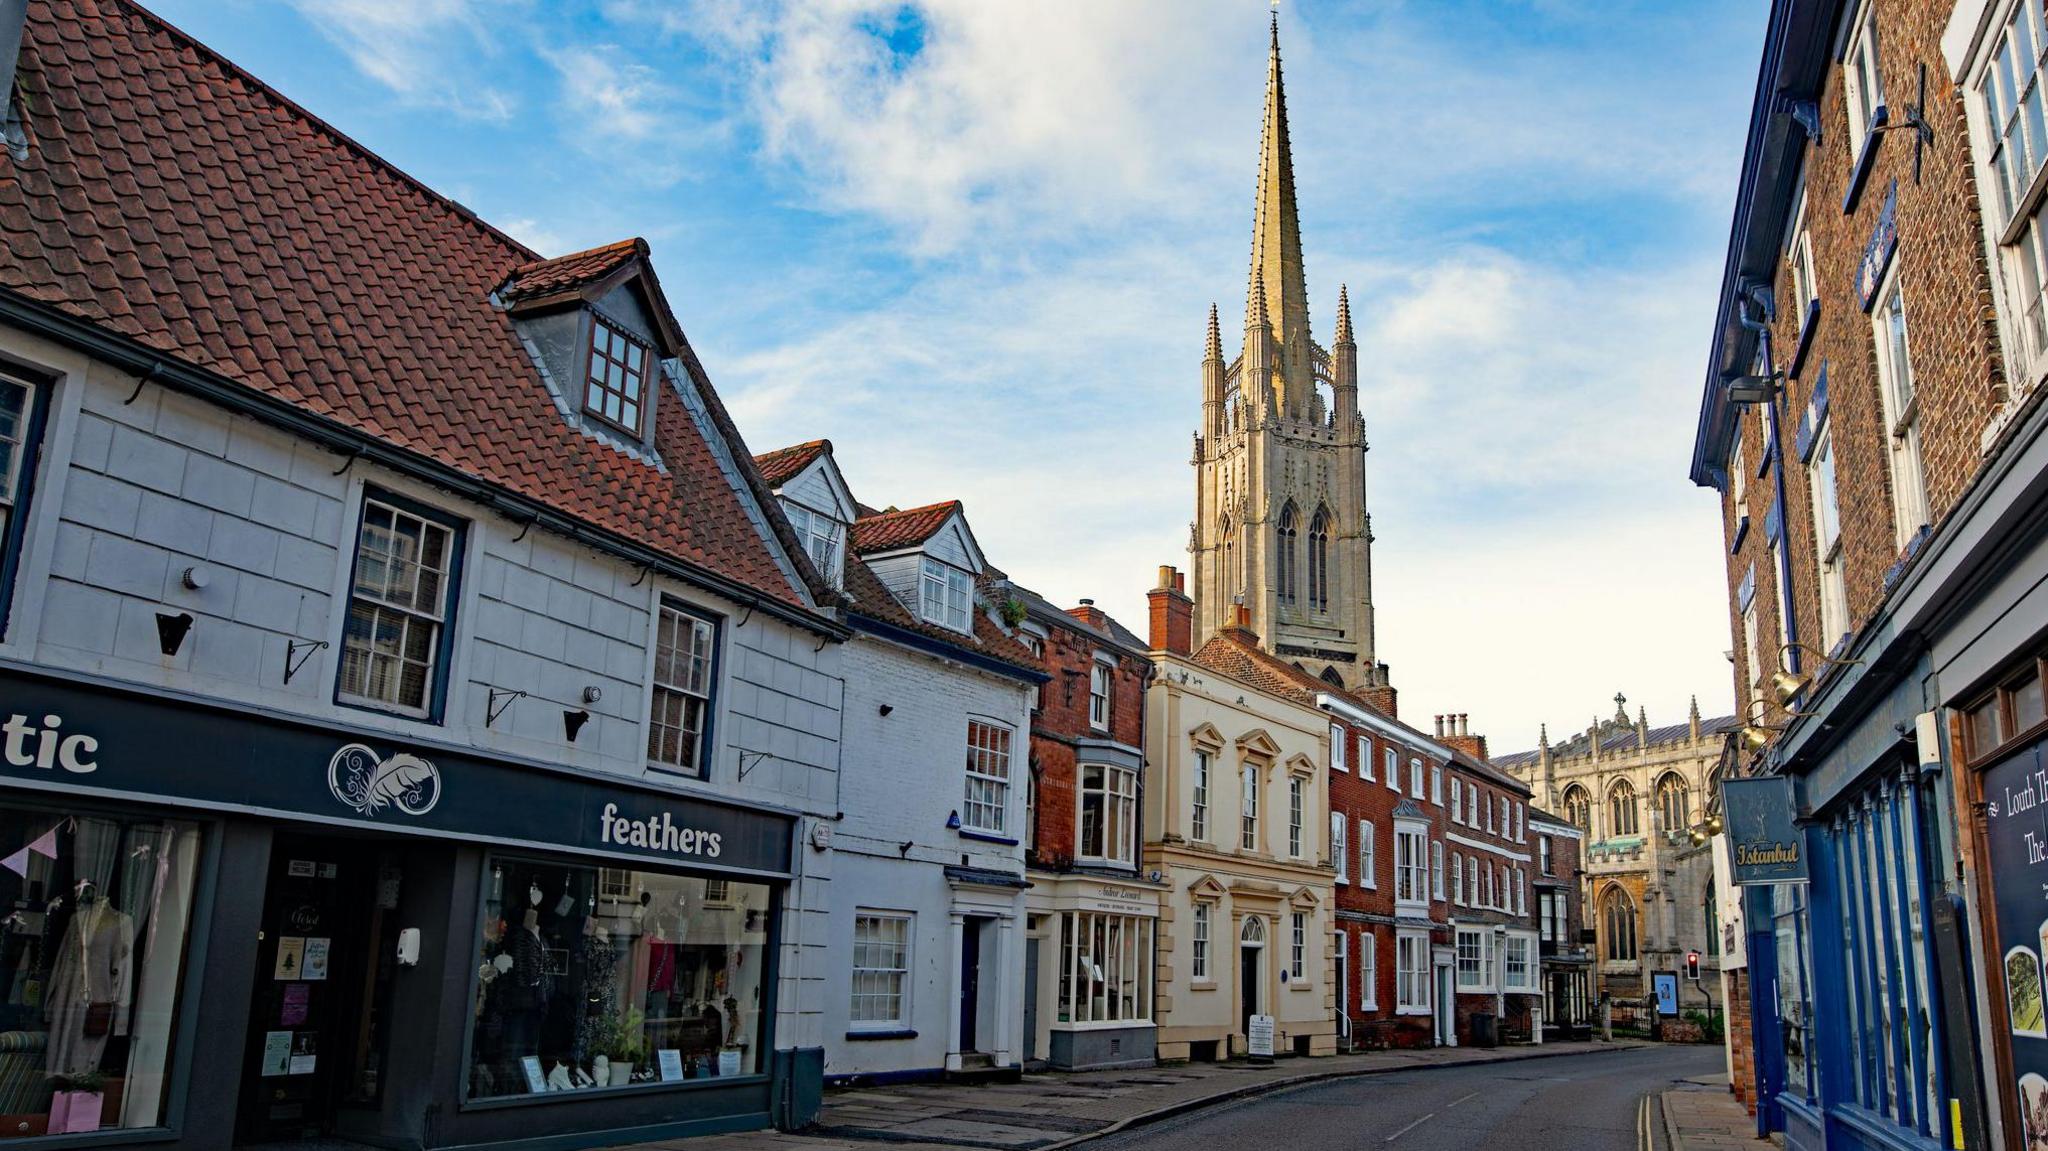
616	385
945	596
822	536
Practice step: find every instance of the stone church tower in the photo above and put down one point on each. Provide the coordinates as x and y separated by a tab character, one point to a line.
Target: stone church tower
1280	517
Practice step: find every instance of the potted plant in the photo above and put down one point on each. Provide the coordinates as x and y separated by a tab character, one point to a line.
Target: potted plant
78	1101
624	1046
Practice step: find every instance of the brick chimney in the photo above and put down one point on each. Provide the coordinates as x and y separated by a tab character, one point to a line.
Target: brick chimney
1378	691
1455	732
1241	625
1088	613
1173	613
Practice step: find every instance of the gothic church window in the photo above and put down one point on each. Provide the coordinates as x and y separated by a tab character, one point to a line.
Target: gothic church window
1287	555
1673	803
1618	917
1319	561
1621	809
1578	808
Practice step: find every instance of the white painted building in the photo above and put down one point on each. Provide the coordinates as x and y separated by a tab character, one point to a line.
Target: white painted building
928	937
409	596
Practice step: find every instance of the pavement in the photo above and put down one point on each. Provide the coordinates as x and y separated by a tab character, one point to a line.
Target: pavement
1048	1111
1703	1115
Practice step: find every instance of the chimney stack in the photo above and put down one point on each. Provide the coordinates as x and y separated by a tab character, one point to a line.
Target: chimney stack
1454	731
1173	613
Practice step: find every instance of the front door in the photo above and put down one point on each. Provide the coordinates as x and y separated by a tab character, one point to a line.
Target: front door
1031	1051
1248	987
1343	943
1446	1007
315	1039
970	983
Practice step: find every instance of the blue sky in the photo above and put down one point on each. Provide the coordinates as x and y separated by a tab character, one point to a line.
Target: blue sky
974	243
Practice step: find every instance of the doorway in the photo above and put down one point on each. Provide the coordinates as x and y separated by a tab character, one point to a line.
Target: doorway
970	982
1031	1051
1251	944
324	961
1343	944
1446	1007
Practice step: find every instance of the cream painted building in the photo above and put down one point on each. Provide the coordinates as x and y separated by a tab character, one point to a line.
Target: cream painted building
1648	887
1237	827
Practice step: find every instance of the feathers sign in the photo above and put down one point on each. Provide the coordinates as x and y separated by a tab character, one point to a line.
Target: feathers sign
369	785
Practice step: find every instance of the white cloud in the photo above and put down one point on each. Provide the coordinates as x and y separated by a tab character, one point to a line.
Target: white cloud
609	95
424	50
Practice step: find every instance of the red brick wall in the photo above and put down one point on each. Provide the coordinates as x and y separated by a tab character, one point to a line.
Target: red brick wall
1062	717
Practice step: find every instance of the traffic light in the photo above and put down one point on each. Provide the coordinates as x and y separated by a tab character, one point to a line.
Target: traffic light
1692	965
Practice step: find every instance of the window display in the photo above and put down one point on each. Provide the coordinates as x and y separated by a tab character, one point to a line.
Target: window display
92	948
607	977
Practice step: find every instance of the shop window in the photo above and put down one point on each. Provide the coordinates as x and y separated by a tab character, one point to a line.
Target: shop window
394	648
581	989
683	649
1109	813
21	417
988	778
1106	968
99	914
881	971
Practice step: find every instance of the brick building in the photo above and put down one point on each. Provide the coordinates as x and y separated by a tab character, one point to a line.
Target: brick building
1088	959
1558	878
1871	419
1493	931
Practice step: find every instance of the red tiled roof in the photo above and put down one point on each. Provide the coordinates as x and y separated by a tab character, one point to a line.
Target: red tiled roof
781	465
172	199
891	531
570	272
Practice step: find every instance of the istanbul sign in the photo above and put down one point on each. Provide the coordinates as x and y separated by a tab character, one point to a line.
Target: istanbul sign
1765	844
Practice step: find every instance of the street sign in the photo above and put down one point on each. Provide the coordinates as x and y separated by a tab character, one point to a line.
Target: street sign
1765	845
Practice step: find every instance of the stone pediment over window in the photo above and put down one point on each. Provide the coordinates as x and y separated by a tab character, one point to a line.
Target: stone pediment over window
1409	809
599	329
1299	764
1207	887
1303	898
1205	737
1257	742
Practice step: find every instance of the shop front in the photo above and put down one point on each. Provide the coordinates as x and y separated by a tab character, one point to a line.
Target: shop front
227	927
1093	943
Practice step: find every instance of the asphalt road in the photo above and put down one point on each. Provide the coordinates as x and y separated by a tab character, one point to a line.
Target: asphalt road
1572	1103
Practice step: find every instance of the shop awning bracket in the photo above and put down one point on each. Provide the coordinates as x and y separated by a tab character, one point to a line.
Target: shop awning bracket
493	708
293	660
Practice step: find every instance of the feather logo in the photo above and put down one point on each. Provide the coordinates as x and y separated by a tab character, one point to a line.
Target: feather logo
367	784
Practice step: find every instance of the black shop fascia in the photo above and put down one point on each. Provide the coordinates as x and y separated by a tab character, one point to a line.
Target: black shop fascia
233	926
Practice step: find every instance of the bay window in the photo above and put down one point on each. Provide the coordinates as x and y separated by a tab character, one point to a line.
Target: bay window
1109	813
1518	963
2015	131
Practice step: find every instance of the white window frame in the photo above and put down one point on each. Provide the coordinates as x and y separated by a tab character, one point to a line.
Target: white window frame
390	598
1034	641
1862	77
1199	942
1412	974
1248	807
899	975
1116	790
1458	879
1436	870
1472	881
1543	855
1368	856
1297	952
1900	401
1436	784
1393	768
1799	259
823	538
988	774
1368	970
1365	759
1738	475
1525	943
1415	777
1101	693
1105	961
682	675
1457	800
1476	961
1521	824
1337	742
1198	797
1752	659
945	595
2011	125
1411	864
1340	849
1297	815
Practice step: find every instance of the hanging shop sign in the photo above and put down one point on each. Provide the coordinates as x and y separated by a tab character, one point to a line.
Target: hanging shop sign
1877	252
77	739
2016	839
1765	844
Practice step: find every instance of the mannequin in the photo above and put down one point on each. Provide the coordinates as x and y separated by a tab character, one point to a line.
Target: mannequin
523	990
90	981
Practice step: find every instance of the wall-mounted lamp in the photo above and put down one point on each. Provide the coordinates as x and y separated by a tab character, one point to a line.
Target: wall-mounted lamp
196	578
171	629
953	821
573	721
1753	389
592	694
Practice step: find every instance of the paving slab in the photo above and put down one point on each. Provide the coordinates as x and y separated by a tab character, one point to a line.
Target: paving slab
1705	1116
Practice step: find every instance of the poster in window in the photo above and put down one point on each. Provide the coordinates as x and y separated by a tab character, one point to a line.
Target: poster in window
297	999
277	1053
2016	838
291	956
670	1059
315	958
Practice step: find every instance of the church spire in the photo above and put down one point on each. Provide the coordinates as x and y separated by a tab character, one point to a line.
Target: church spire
1214	349
1276	238
1343	314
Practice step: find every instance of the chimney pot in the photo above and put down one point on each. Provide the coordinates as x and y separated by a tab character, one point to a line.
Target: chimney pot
1172	614
1087	603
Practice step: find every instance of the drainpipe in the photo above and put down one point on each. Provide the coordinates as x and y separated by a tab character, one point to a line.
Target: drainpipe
1758	295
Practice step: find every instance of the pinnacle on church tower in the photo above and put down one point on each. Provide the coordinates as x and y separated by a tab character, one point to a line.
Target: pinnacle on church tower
1214	349
1343	314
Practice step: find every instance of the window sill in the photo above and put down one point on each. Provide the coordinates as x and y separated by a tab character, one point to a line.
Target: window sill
1866	159
1413	1011
1201	985
379	707
673	772
880	1036
988	837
